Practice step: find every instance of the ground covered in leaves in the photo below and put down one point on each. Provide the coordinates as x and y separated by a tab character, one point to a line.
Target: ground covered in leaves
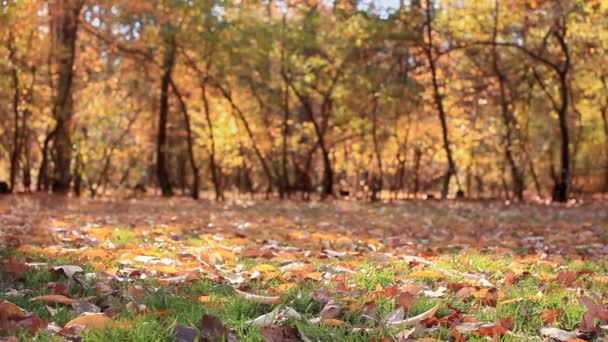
162	270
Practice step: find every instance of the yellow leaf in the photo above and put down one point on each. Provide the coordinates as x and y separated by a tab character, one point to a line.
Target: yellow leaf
332	322
94	321
265	268
509	301
314	276
286	287
426	274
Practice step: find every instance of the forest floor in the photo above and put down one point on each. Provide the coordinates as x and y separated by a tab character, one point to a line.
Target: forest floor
173	269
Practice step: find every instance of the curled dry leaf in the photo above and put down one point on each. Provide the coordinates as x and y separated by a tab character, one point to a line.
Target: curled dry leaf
92	321
258	298
68	270
416	319
56	299
84	308
558	334
265	320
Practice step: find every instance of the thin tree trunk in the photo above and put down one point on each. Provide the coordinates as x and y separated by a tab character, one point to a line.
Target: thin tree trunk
604	112
242	118
562	186
438	97
43	171
507	116
376	179
161	140
215	175
16	148
190	142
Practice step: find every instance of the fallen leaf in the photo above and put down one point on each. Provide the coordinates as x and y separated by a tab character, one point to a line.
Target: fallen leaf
331	310
212	330
566	278
84	308
416	319
405	300
258	298
185	334
551	316
426	274
558	334
281	334
15	268
93	321
68	270
9	310
56	299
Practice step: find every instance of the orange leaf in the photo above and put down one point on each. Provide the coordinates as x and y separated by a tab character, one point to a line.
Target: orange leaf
551	316
56	299
9	310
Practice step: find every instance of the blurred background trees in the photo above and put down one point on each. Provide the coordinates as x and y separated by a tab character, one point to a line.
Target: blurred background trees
375	99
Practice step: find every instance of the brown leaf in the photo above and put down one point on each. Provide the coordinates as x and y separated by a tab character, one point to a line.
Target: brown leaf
9	339
405	300
465	293
281	334
103	289
594	312
566	278
15	268
136	291
58	288
509	279
551	316
458	337
213	330
33	324
491	330
331	310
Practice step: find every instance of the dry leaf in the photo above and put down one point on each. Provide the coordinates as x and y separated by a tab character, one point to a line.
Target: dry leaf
93	321
56	299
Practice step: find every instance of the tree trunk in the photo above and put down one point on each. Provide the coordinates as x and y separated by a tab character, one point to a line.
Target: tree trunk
438	97
507	115
215	175
162	173
604	112
190	142
376	179
43	171
17	130
64	28
562	185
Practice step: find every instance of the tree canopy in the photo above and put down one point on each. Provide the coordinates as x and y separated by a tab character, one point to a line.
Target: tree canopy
495	98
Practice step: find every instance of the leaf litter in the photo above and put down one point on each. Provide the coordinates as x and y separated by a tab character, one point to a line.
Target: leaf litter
393	272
